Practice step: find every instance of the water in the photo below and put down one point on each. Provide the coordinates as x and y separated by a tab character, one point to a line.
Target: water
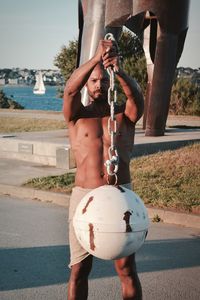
24	96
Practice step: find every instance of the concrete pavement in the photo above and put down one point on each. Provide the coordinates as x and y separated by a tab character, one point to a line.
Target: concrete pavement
34	253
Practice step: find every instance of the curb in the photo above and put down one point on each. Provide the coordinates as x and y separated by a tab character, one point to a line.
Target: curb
177	218
34	194
167	216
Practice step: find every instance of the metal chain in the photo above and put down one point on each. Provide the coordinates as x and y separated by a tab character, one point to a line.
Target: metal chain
113	162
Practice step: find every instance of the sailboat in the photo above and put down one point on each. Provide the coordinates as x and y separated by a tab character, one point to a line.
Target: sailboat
39	88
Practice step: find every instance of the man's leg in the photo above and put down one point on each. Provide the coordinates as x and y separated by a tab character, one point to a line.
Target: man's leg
78	282
126	269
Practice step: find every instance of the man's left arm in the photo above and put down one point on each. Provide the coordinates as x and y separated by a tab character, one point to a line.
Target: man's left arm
135	102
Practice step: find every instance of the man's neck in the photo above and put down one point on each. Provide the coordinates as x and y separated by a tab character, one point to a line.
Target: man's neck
99	108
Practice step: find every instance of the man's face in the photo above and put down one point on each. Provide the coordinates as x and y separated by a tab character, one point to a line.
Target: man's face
98	84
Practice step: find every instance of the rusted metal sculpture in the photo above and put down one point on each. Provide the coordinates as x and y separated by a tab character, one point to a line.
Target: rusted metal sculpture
164	24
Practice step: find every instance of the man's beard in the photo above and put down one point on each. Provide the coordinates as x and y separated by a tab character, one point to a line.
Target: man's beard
99	95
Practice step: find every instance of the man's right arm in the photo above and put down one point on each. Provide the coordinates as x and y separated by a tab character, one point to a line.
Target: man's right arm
72	97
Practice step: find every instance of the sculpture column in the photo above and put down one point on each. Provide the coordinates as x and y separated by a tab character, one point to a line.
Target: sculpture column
164	68
92	32
150	68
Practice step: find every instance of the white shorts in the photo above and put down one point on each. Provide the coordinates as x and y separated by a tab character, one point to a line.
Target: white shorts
77	252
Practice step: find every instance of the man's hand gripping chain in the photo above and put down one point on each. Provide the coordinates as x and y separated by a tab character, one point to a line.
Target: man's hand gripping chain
113	161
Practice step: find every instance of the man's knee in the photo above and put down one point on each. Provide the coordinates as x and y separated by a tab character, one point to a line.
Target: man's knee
82	269
126	266
126	269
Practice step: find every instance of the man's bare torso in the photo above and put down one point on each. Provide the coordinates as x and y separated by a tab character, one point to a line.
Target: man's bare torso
90	142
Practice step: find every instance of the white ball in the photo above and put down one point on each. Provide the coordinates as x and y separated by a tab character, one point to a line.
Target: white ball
111	222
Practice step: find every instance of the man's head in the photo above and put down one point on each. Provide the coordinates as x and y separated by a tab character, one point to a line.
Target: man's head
98	84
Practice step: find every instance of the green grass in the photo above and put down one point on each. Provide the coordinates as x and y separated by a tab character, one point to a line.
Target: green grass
15	124
168	179
62	183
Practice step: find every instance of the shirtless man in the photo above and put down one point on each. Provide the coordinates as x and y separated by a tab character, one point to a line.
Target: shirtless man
90	142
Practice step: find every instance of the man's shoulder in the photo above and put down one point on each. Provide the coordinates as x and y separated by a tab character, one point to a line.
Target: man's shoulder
120	108
85	113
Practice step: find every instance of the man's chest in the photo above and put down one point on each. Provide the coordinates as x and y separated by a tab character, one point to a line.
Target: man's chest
99	128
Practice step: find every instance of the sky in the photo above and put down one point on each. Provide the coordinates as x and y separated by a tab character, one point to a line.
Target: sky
32	32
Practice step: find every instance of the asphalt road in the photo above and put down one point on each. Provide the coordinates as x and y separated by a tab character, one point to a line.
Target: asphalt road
34	253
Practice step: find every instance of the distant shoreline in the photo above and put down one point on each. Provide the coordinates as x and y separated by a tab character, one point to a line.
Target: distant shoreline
25	85
23	94
16	85
30	111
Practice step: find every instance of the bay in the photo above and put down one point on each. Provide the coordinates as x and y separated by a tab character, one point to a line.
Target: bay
24	96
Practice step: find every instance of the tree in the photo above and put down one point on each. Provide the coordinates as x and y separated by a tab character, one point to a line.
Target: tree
185	97
133	60
65	60
5	102
131	52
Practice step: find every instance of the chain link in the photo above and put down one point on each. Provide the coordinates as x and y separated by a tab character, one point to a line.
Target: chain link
113	162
